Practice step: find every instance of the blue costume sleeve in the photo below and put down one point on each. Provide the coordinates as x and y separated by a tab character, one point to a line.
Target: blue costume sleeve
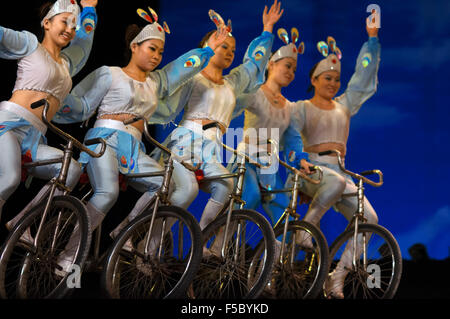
15	45
77	53
250	75
175	83
244	101
84	99
364	81
291	141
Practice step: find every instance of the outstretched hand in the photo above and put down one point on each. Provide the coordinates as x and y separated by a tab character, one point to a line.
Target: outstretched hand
272	16
372	32
89	3
217	38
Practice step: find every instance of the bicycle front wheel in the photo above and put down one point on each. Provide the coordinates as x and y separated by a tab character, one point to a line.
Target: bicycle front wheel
32	271
377	271
163	266
226	273
303	268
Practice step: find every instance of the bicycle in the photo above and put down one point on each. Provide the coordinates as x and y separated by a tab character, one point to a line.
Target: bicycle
376	262
302	263
158	252
229	243
28	258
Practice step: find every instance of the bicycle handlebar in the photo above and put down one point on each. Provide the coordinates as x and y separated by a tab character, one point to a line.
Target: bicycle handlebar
274	144
359	176
156	143
232	150
300	173
66	136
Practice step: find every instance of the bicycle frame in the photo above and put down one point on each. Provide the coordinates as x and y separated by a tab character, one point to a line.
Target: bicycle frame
163	193
291	210
60	180
359	194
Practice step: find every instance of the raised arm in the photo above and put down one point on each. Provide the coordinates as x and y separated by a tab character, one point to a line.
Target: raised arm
249	76
84	99
77	53
363	83
15	45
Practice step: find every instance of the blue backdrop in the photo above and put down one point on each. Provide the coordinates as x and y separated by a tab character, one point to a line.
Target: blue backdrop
401	130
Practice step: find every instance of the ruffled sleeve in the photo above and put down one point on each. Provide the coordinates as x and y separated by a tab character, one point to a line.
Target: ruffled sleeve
84	99
250	75
15	45
77	53
363	83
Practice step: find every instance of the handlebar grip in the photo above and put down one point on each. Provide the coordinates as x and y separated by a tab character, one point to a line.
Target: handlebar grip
37	104
92	141
370	172
325	153
131	120
210	125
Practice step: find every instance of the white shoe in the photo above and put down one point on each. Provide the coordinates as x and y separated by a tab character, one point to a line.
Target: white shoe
128	246
334	284
304	239
66	267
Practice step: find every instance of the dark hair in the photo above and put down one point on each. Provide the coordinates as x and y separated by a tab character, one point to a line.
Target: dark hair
43	10
311	87
205	38
130	33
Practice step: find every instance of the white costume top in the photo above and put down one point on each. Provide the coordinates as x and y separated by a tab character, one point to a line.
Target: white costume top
127	95
325	126
40	72
37	70
210	101
111	91
318	126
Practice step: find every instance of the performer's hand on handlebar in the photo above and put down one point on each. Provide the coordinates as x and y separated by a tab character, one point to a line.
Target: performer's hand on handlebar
305	167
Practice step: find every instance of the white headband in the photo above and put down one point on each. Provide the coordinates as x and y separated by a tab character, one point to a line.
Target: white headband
331	62
63	6
153	30
289	50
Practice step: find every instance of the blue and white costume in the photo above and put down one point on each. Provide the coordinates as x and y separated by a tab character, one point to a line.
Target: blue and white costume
22	133
204	99
268	121
109	90
262	121
318	126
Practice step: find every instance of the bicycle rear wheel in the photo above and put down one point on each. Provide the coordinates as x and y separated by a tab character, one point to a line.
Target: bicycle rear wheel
168	268
227	276
378	271
28	271
304	266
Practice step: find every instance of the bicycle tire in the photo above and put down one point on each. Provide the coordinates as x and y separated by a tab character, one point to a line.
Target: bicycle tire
167	276
225	278
385	252
25	273
303	271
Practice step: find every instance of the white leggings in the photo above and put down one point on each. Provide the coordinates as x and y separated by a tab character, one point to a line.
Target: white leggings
10	163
